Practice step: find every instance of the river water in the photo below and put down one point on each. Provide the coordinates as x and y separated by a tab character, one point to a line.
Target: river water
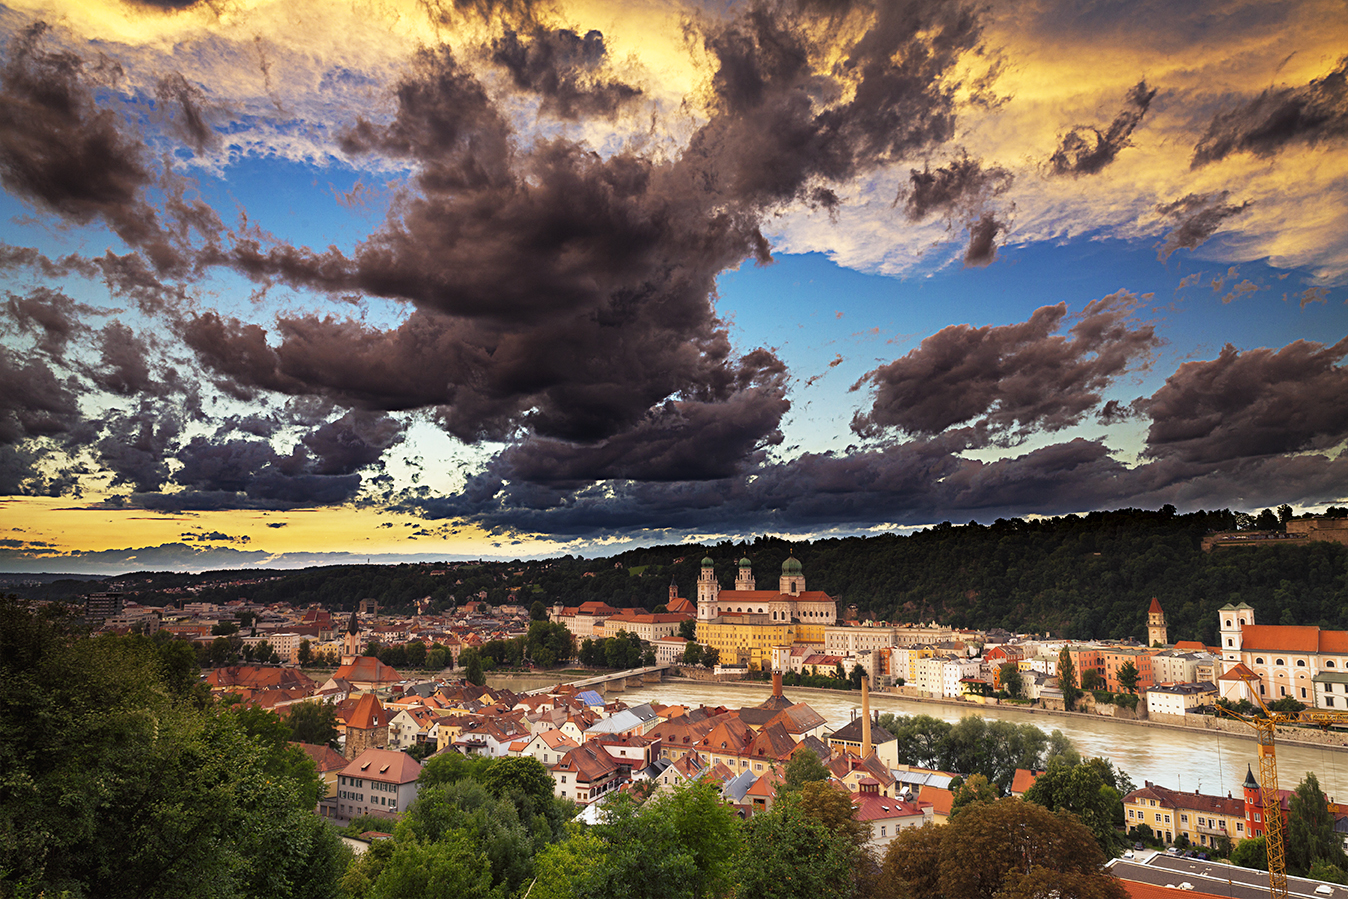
1211	763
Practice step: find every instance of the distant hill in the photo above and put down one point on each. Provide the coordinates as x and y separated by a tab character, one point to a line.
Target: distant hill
1079	576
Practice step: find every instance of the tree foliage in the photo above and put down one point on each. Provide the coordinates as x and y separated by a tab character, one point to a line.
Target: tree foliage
1310	829
787	853
118	777
1093	791
1021	849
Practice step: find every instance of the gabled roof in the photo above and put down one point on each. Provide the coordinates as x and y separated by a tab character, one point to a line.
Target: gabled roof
939	799
588	763
368	670
367	714
385	766
1155	608
875	807
325	758
851	733
1239	672
1023	780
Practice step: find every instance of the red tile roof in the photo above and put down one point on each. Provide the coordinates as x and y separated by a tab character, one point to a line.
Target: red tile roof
1280	638
385	766
1155	607
368	670
367	714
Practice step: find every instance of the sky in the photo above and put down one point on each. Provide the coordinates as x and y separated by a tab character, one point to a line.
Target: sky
288	283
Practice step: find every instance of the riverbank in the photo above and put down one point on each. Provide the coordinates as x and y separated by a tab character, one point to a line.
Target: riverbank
1310	739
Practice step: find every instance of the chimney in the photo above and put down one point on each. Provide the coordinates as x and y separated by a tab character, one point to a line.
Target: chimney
776	683
865	719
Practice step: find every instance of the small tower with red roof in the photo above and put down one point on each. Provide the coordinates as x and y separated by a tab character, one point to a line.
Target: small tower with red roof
1156	625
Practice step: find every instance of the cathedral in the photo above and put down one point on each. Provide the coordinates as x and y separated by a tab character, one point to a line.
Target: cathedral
789	603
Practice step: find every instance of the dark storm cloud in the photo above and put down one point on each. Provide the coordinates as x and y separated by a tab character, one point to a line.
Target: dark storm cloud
49	313
1249	404
188	115
1197	217
916	482
982	249
1009	378
963	186
136	447
123	368
566	293
352	442
242	473
1086	150
34	402
564	69
61	152
677	441
1279	117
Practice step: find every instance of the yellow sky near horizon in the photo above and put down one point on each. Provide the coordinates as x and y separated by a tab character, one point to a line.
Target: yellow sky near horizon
60	525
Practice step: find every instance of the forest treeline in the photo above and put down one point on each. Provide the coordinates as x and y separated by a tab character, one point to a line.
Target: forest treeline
1080	576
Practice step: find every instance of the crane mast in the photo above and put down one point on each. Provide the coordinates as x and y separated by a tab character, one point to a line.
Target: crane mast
1275	835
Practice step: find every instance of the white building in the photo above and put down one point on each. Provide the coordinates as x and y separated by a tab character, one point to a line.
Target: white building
377	781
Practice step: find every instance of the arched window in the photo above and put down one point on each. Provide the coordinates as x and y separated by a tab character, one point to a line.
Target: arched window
1279	662
1301	663
1329	663
1259	660
1228	622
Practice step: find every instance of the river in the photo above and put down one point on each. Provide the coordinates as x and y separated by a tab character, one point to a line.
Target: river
1211	763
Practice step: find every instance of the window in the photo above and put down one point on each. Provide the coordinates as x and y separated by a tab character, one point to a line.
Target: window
1130	813
1280	661
1303	692
1329	702
1184	819
1329	663
1158	817
1167	819
1240	827
1301	663
882	830
1259	660
1230	642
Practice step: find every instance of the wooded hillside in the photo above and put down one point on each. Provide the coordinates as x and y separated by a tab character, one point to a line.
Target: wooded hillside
1080	576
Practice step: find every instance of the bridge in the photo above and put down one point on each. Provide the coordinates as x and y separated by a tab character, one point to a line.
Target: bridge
617	682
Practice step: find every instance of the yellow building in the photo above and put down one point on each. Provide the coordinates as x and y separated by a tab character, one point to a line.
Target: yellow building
1169	813
745	639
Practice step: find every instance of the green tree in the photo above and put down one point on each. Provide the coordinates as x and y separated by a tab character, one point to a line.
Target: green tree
414	653
471	660
305	654
118	782
1310	829
834	809
1092	680
538	611
452	867
692	654
788	854
688	629
973	789
802	768
1011	679
1067	679
1251	853
313	722
1128	675
1020	847
1084	791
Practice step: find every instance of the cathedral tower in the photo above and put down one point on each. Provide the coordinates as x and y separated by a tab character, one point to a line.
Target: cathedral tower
1156	625
793	579
707	591
745	581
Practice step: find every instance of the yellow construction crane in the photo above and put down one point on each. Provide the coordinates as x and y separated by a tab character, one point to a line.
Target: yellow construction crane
1274	836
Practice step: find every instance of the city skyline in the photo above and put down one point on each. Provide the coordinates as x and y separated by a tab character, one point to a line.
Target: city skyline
295	283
